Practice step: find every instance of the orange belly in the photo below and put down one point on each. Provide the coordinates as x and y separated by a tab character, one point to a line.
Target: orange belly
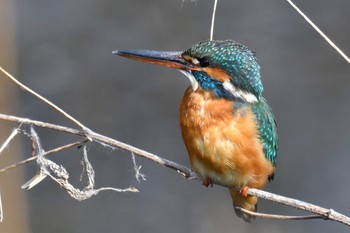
223	145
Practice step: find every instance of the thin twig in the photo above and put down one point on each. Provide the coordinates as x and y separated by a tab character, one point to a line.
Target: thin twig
138	175
186	172
9	139
31	159
54	106
326	213
213	20
320	32
42	162
89	170
279	217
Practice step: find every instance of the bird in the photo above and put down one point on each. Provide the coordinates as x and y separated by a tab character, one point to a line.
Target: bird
227	126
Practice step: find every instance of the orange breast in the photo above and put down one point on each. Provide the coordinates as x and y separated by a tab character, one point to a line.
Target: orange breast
222	144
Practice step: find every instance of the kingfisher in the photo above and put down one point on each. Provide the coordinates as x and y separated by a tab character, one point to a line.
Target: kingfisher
227	126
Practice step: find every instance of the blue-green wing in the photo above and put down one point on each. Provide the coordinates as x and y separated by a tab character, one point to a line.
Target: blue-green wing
267	129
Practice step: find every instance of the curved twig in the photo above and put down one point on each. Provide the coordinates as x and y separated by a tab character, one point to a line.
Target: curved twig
326	213
279	217
213	20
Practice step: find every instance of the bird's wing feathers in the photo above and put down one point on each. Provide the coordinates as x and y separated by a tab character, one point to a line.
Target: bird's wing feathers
267	129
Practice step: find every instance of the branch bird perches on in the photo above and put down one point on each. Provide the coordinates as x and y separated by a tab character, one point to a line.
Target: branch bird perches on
321	213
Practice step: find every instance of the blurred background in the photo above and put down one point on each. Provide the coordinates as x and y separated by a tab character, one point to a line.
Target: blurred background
62	49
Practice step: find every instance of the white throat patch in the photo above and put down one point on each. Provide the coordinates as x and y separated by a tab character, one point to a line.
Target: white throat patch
239	93
192	79
236	92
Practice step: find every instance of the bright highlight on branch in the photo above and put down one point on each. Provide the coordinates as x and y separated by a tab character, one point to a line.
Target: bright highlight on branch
213	20
9	139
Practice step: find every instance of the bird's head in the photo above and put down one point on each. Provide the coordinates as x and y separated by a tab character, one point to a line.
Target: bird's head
225	68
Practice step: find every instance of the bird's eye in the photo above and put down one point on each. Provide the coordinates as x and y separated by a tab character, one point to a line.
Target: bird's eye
204	62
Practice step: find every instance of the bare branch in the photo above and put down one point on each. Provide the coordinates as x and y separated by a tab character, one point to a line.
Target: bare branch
31	159
61	177
59	174
184	171
41	124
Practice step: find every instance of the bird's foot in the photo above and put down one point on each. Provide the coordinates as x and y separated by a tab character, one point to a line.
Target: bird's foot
244	191
207	181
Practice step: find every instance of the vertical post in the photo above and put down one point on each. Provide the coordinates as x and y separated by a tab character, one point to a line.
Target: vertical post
13	198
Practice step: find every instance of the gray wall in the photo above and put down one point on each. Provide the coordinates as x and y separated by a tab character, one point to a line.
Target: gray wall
64	52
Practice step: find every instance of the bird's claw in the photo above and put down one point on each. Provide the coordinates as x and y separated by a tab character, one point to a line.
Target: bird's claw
244	191
207	181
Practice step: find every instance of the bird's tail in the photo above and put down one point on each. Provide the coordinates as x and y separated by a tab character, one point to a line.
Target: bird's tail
248	203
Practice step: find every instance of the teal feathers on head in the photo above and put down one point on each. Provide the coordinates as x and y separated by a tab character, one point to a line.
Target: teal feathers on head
234	58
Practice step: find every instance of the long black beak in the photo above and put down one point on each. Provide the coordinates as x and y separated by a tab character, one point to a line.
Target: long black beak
163	58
